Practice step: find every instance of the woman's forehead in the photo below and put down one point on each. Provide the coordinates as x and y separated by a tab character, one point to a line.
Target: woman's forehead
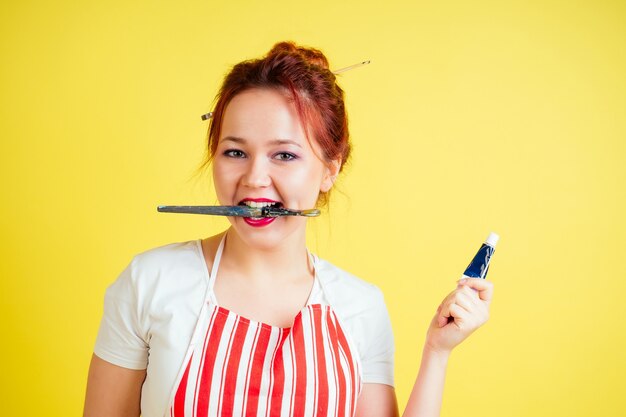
262	115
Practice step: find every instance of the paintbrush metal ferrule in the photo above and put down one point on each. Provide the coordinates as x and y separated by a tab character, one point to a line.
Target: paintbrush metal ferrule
279	211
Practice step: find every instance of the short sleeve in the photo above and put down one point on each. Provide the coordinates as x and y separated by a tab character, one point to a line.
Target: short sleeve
377	357
121	339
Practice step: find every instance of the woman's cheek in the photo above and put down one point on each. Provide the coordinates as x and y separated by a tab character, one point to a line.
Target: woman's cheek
223	179
307	185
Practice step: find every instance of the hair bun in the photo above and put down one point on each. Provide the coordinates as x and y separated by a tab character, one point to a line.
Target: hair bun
311	55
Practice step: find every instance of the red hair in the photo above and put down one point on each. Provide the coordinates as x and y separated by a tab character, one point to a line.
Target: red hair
303	74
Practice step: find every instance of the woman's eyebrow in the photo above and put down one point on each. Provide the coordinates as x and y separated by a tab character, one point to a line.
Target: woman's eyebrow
233	139
285	142
273	142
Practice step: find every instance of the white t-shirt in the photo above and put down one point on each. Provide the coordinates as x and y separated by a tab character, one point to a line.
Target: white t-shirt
151	310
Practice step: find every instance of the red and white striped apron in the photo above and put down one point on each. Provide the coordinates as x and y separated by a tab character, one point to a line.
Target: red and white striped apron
238	367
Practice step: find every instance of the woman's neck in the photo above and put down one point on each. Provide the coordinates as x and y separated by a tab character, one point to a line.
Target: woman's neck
285	261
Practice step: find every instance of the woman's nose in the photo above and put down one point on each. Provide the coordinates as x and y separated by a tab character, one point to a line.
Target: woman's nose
257	174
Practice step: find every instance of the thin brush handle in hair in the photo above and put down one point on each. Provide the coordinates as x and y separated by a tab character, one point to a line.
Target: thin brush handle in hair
209	115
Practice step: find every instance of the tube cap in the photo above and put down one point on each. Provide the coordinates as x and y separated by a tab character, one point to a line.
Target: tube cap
492	239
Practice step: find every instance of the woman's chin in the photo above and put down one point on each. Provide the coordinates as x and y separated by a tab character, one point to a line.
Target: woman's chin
270	233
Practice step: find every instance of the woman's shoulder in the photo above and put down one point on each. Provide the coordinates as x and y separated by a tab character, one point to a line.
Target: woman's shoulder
331	274
346	289
164	264
180	253
160	255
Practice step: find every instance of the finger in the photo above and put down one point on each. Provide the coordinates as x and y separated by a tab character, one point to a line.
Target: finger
465	301
439	318
459	315
466	320
469	292
444	314
484	288
469	300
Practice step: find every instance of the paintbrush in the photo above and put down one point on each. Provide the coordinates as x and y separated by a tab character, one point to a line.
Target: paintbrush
239	211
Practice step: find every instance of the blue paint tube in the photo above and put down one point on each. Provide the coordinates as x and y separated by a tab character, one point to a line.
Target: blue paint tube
480	264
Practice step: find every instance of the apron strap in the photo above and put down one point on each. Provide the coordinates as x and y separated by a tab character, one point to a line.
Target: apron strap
215	268
317	282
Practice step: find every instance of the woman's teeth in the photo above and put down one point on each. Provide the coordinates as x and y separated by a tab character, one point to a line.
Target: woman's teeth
258	204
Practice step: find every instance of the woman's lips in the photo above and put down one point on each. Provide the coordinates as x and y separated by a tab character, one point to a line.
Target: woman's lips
263	221
258	202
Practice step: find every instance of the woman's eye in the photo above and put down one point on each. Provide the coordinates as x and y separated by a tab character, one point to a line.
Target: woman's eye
285	156
235	153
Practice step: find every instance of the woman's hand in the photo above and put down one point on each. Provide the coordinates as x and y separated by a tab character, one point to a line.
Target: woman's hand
461	312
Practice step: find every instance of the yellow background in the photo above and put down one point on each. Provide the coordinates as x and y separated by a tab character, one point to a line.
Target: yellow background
473	116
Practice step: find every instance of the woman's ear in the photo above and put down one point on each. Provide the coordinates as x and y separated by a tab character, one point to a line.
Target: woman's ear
330	175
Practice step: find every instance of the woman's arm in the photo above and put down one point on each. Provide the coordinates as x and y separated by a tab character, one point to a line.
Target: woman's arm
112	391
427	394
462	312
377	400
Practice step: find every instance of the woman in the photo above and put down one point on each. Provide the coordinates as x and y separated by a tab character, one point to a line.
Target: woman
248	322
